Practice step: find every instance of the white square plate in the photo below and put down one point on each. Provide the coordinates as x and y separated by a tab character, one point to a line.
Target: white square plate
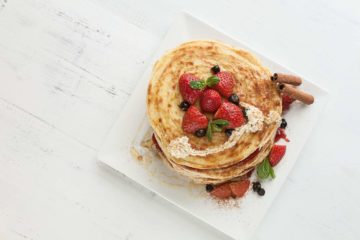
239	218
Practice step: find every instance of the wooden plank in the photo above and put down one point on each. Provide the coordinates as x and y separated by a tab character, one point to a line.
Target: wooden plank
54	188
66	69
74	70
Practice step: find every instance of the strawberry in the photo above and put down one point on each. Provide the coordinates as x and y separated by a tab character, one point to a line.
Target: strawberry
226	84
248	174
239	188
189	94
194	120
280	133
210	100
286	102
276	154
232	113
222	191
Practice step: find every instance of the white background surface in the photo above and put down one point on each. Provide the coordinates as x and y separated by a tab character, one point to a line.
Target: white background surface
68	67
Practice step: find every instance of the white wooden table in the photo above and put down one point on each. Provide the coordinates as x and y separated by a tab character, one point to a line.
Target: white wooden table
67	68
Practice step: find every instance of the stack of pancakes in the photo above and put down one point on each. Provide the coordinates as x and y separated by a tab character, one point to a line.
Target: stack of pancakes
253	86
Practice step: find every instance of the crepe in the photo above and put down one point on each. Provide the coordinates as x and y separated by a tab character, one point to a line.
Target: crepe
219	175
253	86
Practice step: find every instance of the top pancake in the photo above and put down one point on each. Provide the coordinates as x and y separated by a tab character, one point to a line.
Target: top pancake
253	86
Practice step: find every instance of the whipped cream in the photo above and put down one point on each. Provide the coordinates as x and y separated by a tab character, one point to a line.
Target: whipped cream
181	148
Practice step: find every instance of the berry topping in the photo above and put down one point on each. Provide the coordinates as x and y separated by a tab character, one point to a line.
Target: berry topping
209	187
249	173
184	105
229	131
276	154
239	188
189	94
234	99
194	120
215	69
232	113
261	191
200	132
283	123
222	191
286	102
256	186
210	100
280	133
226	84
229	189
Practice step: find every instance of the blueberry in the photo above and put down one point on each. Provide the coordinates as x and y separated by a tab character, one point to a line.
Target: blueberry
261	191
283	123
184	105
200	133
256	186
215	69
234	99
229	131
209	187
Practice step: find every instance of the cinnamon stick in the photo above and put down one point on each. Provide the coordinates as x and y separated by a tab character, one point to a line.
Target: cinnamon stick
286	78
296	93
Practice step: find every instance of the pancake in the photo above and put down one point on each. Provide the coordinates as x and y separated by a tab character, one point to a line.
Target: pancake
253	86
220	175
227	173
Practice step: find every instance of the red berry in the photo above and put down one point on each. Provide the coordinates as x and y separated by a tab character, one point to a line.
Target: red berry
286	102
232	113
280	133
190	95
276	154
222	191
210	100
239	188
194	120
226	84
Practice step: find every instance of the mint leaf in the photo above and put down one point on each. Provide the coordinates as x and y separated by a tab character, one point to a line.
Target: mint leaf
272	173
211	81
209	132
221	122
201	84
198	84
215	128
264	170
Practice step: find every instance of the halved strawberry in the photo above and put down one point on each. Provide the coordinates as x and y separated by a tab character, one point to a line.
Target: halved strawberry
222	191
280	133
194	120
286	102
276	154
232	113
210	100
226	84
189	94
239	188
